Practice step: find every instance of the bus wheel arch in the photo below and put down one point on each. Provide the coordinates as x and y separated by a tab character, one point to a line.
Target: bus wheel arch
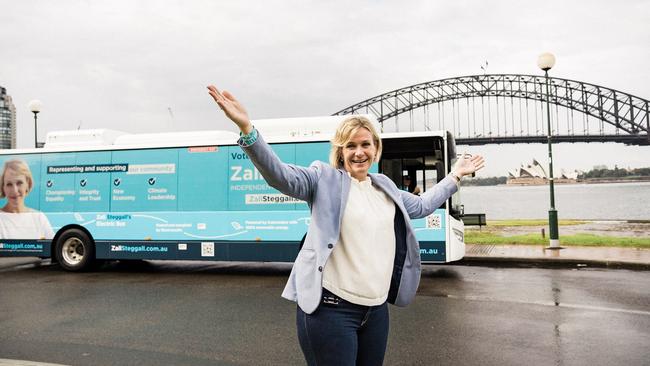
74	248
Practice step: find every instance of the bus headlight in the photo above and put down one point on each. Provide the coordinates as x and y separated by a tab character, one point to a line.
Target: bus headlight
459	235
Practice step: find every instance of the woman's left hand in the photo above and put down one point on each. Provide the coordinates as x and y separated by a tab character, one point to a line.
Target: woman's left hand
232	108
468	164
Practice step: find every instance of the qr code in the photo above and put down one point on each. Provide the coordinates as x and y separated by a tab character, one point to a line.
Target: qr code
434	221
207	249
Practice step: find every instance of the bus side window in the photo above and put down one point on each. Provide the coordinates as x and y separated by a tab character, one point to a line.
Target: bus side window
434	174
419	158
392	168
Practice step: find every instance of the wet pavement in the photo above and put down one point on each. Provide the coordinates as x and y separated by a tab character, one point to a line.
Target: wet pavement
180	313
476	311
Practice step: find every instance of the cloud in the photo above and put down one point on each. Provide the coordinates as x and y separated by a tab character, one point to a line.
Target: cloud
124	64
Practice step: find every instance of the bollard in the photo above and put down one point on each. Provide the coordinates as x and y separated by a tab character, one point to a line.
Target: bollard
543	234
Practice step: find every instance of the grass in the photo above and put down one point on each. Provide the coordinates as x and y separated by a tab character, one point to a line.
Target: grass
494	233
487	237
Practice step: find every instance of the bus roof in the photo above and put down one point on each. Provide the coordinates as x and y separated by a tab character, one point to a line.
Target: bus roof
277	130
322	127
286	130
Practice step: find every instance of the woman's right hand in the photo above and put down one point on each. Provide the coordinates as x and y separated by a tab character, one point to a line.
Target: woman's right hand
232	108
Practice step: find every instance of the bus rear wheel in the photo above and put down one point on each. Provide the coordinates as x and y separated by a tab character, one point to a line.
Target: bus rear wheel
75	251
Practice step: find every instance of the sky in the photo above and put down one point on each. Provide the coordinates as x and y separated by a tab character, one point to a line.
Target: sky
142	66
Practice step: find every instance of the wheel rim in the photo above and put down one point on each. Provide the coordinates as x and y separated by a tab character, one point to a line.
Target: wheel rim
73	251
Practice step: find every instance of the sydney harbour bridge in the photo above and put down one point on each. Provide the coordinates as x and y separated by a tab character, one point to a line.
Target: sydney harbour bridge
511	108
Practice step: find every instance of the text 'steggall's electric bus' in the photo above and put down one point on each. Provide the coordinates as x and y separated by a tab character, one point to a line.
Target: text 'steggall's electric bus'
104	195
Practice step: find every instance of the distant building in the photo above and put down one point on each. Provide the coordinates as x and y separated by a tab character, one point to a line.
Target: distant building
570	175
534	174
534	170
7	121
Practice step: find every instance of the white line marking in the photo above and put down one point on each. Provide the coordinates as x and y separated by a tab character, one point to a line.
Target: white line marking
152	217
7	362
214	237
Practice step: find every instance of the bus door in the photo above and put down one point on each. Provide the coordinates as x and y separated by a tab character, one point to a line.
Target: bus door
422	159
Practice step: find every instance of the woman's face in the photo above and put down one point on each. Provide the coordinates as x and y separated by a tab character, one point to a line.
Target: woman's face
15	187
359	154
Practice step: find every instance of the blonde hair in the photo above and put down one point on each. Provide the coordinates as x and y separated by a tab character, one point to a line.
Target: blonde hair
343	135
20	167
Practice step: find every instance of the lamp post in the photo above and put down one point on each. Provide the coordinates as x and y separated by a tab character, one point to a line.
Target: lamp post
35	106
545	62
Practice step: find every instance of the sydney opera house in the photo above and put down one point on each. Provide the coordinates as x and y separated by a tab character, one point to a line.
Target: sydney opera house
534	173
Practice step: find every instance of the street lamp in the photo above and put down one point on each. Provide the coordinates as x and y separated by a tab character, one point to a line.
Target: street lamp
35	106
545	62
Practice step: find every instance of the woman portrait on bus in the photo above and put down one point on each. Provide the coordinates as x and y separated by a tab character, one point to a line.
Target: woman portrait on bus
360	251
18	221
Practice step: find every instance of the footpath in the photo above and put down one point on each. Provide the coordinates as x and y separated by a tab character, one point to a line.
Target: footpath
608	257
503	255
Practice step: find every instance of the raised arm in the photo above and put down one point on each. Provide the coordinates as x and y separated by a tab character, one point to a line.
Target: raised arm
424	205
467	165
421	206
292	180
234	110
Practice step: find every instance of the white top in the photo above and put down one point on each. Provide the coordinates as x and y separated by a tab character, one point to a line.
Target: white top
360	267
27	225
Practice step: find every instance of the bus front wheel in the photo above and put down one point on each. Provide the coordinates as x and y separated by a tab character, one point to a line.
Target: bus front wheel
75	251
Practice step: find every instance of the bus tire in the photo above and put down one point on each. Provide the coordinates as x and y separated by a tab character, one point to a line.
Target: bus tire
75	250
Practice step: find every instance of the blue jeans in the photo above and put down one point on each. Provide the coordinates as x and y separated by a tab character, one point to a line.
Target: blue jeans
341	333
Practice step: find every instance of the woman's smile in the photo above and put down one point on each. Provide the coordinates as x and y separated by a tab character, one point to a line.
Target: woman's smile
359	154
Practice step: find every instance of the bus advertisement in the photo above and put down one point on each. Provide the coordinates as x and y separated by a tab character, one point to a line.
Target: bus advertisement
101	195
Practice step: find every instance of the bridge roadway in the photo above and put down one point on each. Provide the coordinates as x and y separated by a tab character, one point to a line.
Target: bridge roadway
639	140
171	313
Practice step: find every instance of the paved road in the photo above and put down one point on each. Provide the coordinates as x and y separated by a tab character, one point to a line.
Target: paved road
231	314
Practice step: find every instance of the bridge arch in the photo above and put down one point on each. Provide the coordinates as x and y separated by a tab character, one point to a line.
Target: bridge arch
628	114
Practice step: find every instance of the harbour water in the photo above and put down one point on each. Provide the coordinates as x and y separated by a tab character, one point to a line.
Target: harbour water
607	201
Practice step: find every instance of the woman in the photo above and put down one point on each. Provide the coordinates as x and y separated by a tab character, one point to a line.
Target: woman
360	251
18	221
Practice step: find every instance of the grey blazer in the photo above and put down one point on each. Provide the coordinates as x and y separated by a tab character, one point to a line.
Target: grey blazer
326	189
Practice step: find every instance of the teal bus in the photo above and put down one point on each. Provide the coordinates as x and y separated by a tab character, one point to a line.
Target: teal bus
99	195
